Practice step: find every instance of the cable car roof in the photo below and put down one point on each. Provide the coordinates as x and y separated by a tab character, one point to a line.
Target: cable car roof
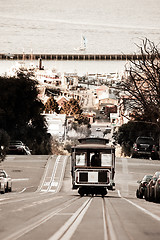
93	140
93	144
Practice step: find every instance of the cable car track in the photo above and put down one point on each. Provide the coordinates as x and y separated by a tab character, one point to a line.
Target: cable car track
40	219
41	216
109	233
68	228
77	208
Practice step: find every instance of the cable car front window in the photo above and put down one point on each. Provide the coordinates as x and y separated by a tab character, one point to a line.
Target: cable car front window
106	160
95	159
80	159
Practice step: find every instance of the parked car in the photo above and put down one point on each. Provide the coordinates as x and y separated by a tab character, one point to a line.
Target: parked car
18	147
144	147
149	193
98	129
2	184
6	181
142	186
157	189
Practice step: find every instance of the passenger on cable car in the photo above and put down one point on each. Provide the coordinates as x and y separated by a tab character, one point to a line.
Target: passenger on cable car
95	160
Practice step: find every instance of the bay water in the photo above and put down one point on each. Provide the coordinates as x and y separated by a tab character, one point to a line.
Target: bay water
56	26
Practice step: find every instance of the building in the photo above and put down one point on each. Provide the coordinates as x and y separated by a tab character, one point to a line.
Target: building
56	124
62	100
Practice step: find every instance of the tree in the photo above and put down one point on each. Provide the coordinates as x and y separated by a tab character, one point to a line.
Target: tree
20	110
128	133
4	142
51	105
19	101
81	119
71	108
142	84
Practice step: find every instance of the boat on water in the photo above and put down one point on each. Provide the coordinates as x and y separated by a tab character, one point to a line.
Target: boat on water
83	44
43	76
50	78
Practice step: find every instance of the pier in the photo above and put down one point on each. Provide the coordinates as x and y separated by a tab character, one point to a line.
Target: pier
71	57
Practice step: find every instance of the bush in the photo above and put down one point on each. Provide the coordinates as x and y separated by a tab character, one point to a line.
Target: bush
20	110
128	133
4	143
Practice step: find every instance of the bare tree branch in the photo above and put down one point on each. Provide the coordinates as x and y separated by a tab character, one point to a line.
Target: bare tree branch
142	83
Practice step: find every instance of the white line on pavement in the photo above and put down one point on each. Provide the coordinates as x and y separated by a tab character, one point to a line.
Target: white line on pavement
53	173
30	227
24	189
141	208
68	229
20	179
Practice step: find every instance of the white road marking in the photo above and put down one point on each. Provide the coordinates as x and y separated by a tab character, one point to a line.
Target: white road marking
109	232
44	177
37	203
51	183
23	190
37	223
42	191
141	208
54	184
54	172
20	179
125	174
68	229
46	184
119	193
53	191
104	223
62	175
4	199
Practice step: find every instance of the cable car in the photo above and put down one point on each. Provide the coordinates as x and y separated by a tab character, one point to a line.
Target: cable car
93	166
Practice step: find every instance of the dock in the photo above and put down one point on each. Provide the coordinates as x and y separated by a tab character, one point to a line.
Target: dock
71	57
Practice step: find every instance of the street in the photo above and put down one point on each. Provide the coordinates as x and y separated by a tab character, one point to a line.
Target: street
98	130
43	206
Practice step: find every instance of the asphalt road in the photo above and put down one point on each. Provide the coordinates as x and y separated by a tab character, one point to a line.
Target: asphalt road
98	128
43	206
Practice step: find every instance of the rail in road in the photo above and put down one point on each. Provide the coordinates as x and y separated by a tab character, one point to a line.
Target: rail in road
63	214
71	56
69	227
101	216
